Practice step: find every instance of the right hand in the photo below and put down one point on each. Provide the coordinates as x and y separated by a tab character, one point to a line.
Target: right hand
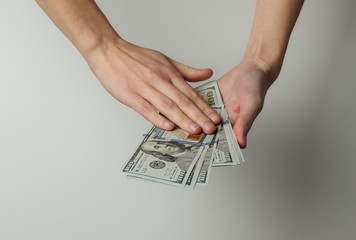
147	80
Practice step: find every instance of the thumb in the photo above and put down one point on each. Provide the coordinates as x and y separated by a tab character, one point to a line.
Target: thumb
244	122
240	130
192	74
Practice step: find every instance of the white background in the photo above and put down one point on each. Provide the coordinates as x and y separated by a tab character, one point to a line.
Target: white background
63	139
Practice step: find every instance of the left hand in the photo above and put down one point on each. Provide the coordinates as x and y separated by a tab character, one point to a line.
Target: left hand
243	90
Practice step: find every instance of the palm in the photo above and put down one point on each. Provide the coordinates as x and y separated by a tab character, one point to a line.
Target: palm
243	90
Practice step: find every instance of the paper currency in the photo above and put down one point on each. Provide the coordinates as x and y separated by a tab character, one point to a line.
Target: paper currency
181	159
192	179
163	157
198	172
205	170
226	153
211	94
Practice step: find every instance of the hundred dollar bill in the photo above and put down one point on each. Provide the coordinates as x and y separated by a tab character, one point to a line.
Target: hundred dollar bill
222	155
203	160
226	152
210	93
233	140
208	160
203	165
163	157
192	179
182	159
191	182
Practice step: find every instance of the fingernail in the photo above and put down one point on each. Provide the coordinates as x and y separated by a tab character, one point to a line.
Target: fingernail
208	126
167	124
193	126
214	117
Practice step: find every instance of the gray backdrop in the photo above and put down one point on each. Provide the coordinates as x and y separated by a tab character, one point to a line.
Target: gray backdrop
63	139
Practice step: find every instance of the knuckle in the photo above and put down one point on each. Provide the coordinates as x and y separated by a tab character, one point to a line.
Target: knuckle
167	103
150	71
157	77
125	97
155	119
194	95
183	101
172	70
155	74
146	109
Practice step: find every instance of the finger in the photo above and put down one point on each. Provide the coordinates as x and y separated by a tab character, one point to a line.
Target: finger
169	108
195	97
149	112
192	74
244	122
241	134
187	105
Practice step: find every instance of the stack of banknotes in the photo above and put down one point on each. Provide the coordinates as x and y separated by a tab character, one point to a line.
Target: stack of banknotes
181	159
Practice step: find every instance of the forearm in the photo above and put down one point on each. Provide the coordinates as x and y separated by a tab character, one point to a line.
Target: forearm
273	23
141	78
81	21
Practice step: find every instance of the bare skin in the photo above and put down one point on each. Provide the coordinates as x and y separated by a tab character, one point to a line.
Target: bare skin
147	80
245	86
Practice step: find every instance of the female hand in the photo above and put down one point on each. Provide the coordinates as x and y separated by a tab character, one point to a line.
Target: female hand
147	81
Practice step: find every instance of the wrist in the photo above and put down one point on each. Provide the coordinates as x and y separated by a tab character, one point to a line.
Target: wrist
272	26
92	44
267	56
255	65
99	53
